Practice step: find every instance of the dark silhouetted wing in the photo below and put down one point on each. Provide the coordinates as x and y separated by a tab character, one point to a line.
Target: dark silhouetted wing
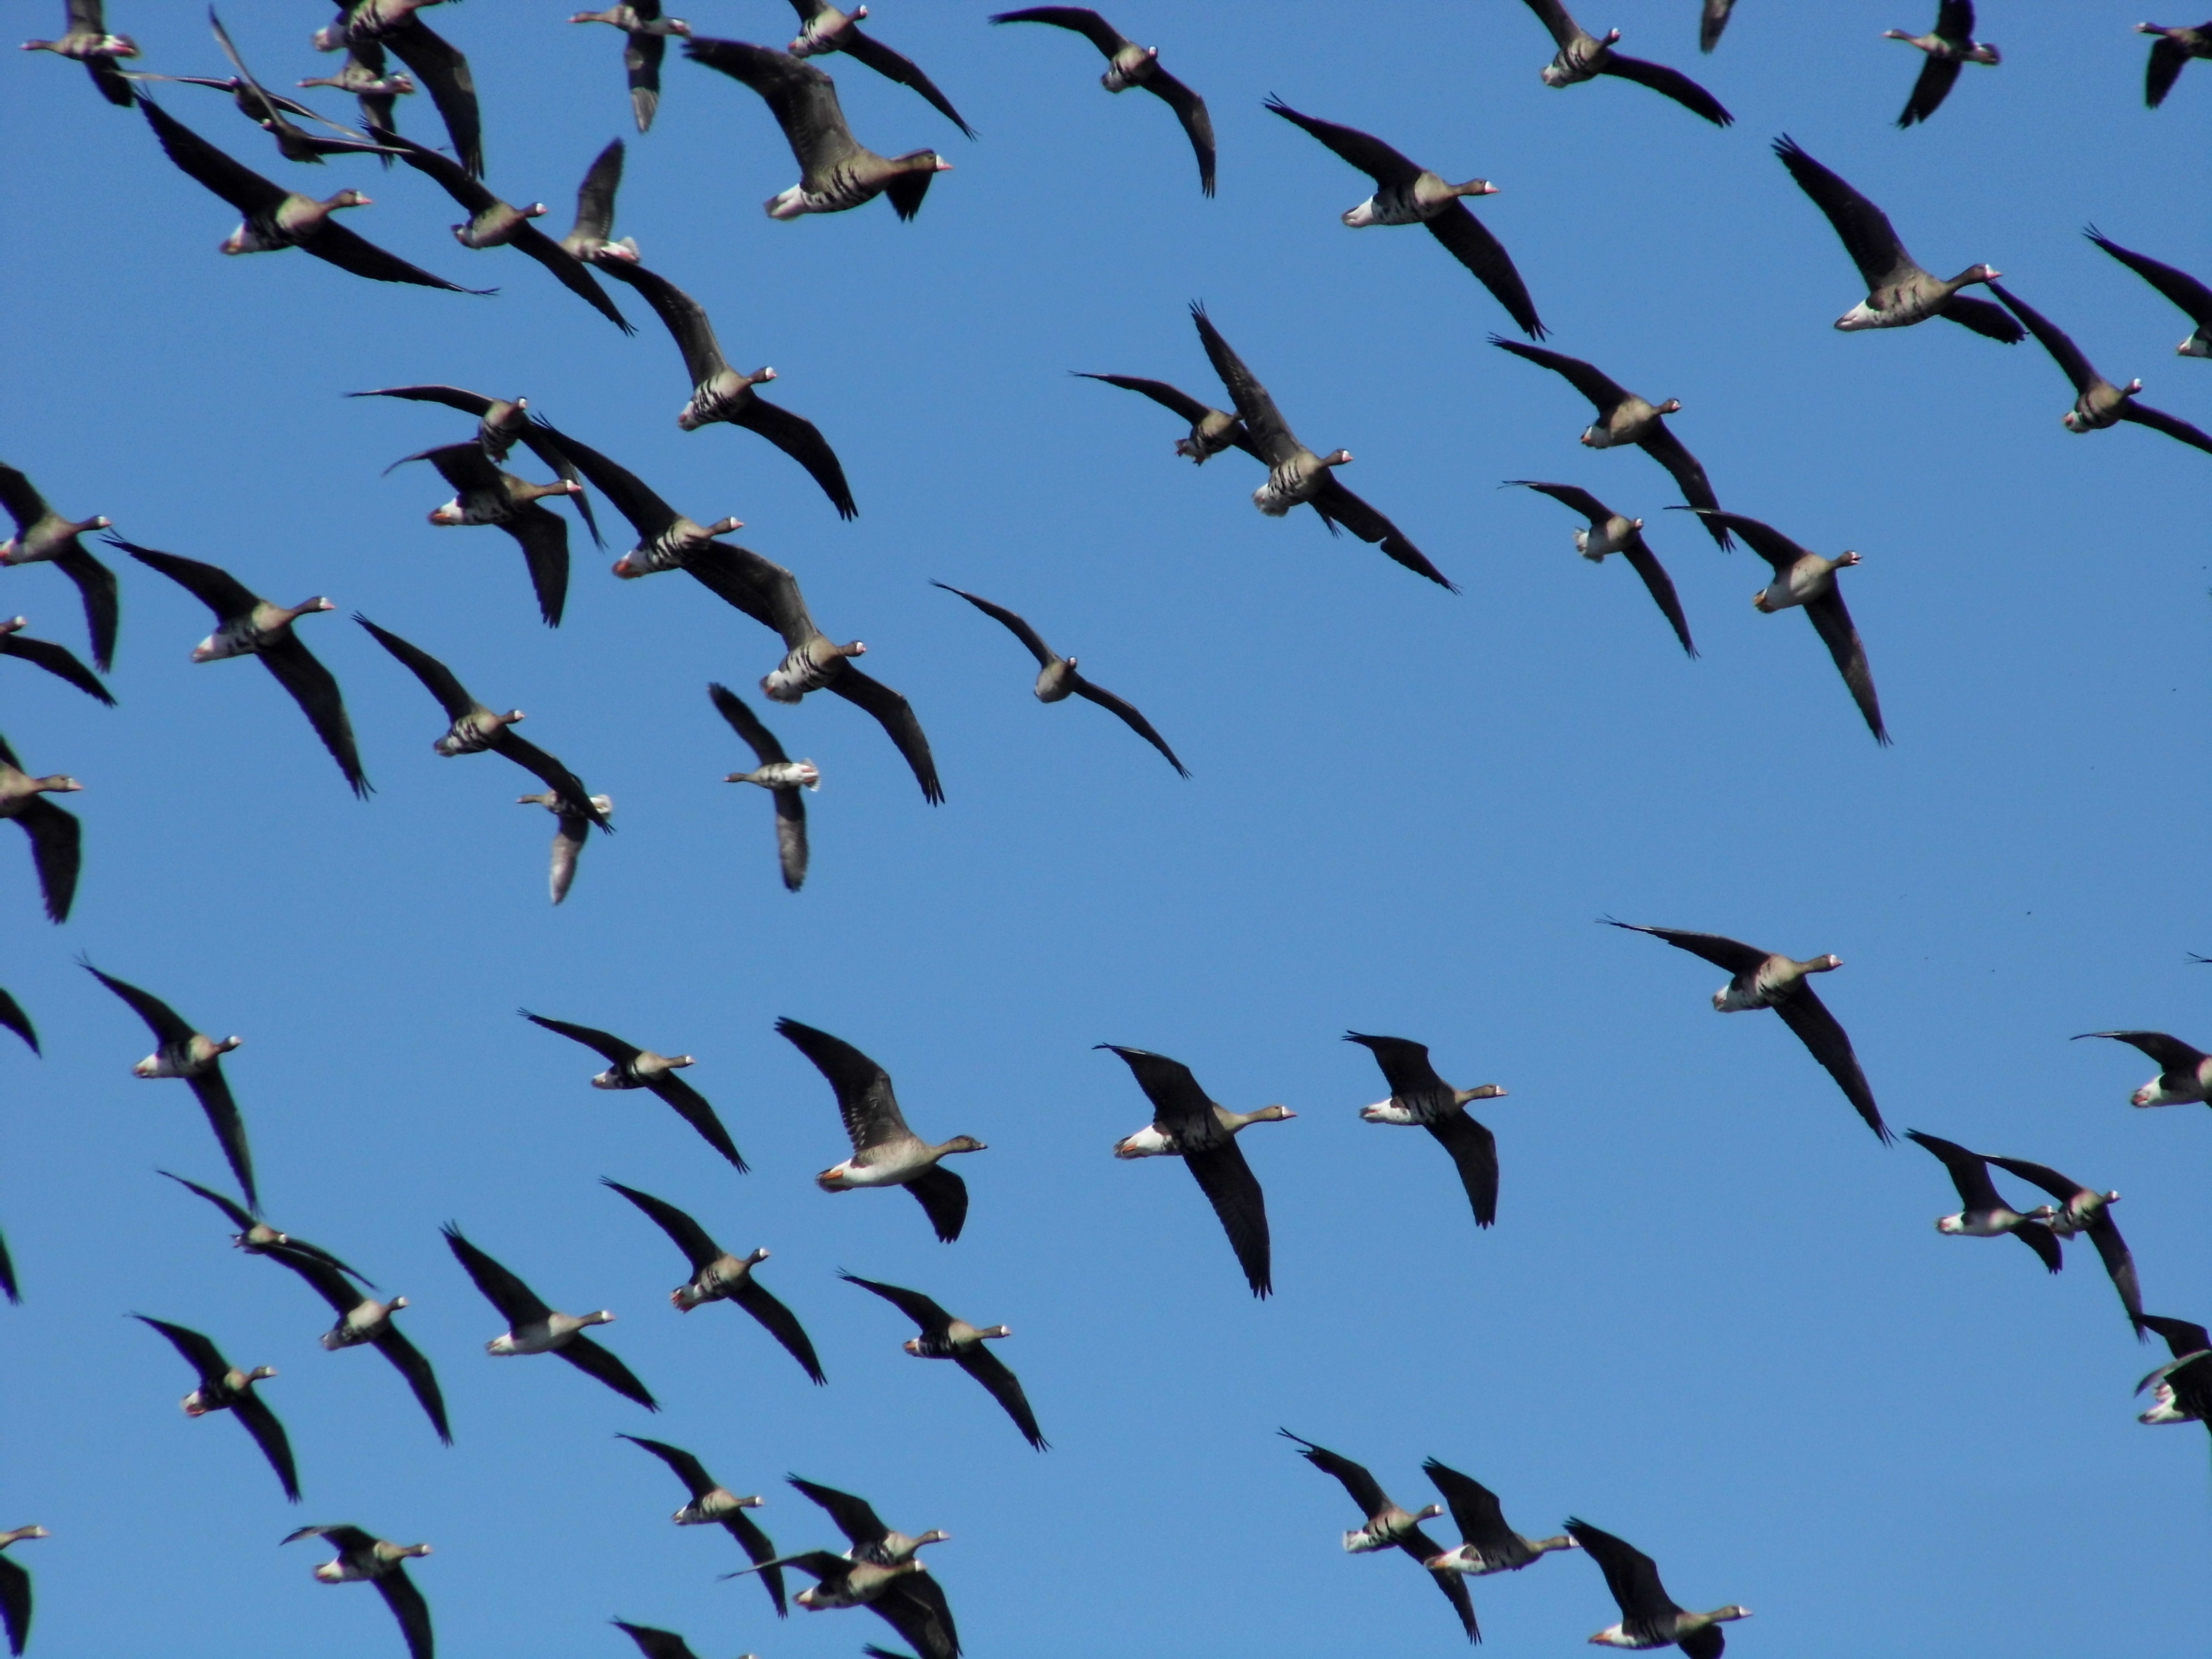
168	1026
1362	150
1832	622
654	1643
2167	60
2184	1339
866	49
864	1097
747	725
1657	582
2171	1053
1805	1014
1180	1109
1190	110
315	688
337	246
13	1019
16	1589
1405	1068
1339	506
589	1357
987	1369
56	660
943	1196
1937	77
1474	1507
1365	1489
699	1249
2179	286
1731	955
780	1323
409	1608
255	1417
1991	321
595	197
915	1607
570	272
1631	1575
800	439
439	680
1711	21
103	605
212	586
680	1463
444	73
1271	434
605	1043
1474	1151
212	1089
1234	1191
2159	421
544	539
896	716
9	1289
575	797
1668	83
1471	244
1969	1171
1167	397
2054	339
1081	19
692	1107
803	99
931	1318
229	178
1013	623
516	1301
641	58
57	852
855	1517
1601	389
1127	714
684	317
1664	448
408	1360
1863	228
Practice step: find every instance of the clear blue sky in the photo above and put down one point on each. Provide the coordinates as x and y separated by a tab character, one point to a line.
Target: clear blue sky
1713	1317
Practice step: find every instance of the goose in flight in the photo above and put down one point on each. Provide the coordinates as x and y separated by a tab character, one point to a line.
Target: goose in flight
824	29
533	1327
645	43
944	1337
14	1582
1389	1526
42	536
1583	56
1763	980
1408	195
571	829
86	41
368	76
714	1505
2181	1390
1985	1214
843	1581
2179	286
363	1558
191	1054
1712	22
257	1237
885	1152
719	1276
777	773
1649	1616
57	837
657	1644
2098	402
1296	475
1187	1124
590	232
56	660
1899	292
364	1320
1419	1096
632	1067
1487	1545
1057	680
2185	1074
2169	56
919	1611
13	1019
501	423
271	112
1614	532
486	493
443	71
248	625
836	171
224	1387
1129	64
2084	1210
1949	45
1211	430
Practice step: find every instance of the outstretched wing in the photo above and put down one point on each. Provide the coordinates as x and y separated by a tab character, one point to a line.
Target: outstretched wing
747	725
897	718
1474	1151
780	1323
943	1196
803	99
1127	712
699	1249
1863	228
800	439
1190	109
1832	622
2179	286
1657	583
1081	19
315	688
2159	421
168	1026
516	1301
2171	1053
1805	1014
605	1043
684	317
255	1417
212	586
1600	388
693	1108
1339	506
1011	620
855	1517
864	1097
1365	1489
2054	340
1471	243
1474	1507
410	1363
13	1019
1933	85
866	49
444	73
1668	83
58	661
1363	150
1270	433
1234	1191
1006	1387
1969	1170
1731	955
229	178
589	1357
409	1608
925	1312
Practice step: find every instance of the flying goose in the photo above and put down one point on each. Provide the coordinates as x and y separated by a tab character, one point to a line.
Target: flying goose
835	171
2179	286
1389	1525
1649	1616
56	660
196	1058
1296	475
594	222
443	71
364	1558
57	837
486	493
224	1387
1899	292
824	29
501	424
496	223
655	1644
2185	1074
363	1319
1129	64
1949	44
533	1327
1419	1096
277	218
376	89
87	42
719	1276
720	393
1211	430
632	1068
1712	20
572	827
43	536
2182	1388
714	1505
1487	1545
645	43
2098	402
2168	58
1624	418
2084	1210
1614	532
919	1611
272	113
885	1152
1187	1124
944	1337
1583	56
841	1582
778	773
1408	195
249	626
1803	577
14	1582
1986	1215
257	1237
13	1019
1763	980
1057	679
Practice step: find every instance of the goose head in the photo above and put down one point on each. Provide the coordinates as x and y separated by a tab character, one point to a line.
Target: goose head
538	492
961	1144
20	1534
1337	458
14	624
1480	1091
1265	1114
1974	274
347	198
60	783
1475	187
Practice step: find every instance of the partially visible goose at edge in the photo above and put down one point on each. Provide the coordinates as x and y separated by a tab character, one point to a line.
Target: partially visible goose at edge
1419	1096
484	493
1129	64
15	1584
190	1054
1211	430
501	423
1406	194
1949	45
944	1337
1486	1543
1985	1213
2179	286
2171	55
364	1558
714	1505
1650	1618
1389	1525
533	1327
1614	532
375	88
1583	56
836	171
57	837
571	827
919	1612
1712	22
777	773
86	41
2098	402
824	29
656	1644
56	660
2081	1210
43	536
9	1288
273	114
13	1019
632	1067
443	71
719	1276
223	1386
645	43
2181	1390
842	1583
2185	1074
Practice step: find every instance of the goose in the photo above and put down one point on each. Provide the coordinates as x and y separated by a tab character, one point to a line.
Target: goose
2179	286
885	1152
270	112
1584	56
224	1387
56	660
196	1057
1129	64
719	1276
918	1610
1211	430
443	71
1804	579
1649	1616
1949	45
2098	402
57	837
1712	20
276	218
1296	475
486	493
368	77
1057	679
714	1505
1763	980
2171	54
1187	1124
632	1068
43	536
944	1337
1899	292
824	29
1986	1215
2185	1074
13	1019
87	40
594	222
363	1558
533	1327
645	43
1419	1096
257	1237
501	423
886	1591
1408	195
720	393
836	171
2181	1388
1614	532
1388	1525
14	1582
655	1644
496	223
1487	1544
767	592
2084	1210
572	827
778	773
364	1320
248	625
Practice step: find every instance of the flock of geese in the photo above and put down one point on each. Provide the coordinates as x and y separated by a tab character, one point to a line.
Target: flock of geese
881	1569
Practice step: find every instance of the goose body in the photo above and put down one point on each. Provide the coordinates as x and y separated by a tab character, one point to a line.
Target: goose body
365	1321
364	1558
632	1068
944	1337
1419	1099
2185	1074
1487	1545
191	1054
591	233
257	1237
534	1328
1649	1617
56	836
1948	47
1389	1525
712	1505
2086	1210
2181	1390
1128	65
223	1386
644	44
777	773
1611	532
887	1574
43	536
1583	56
2098	404
501	423
87	40
2175	47
375	88
375	24
1985	1214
